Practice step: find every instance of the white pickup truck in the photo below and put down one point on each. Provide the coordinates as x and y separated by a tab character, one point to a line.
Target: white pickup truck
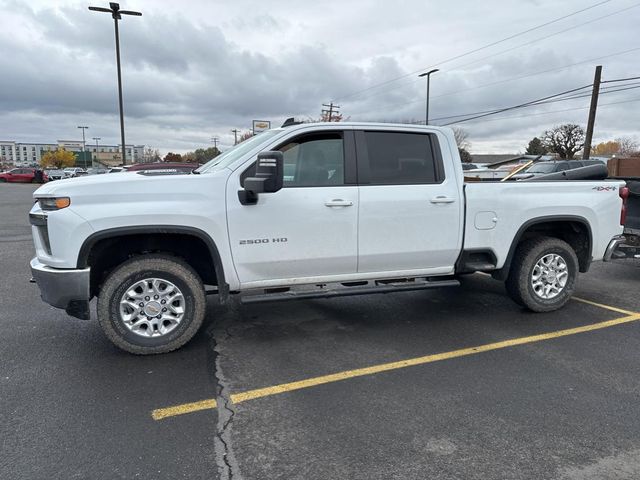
306	211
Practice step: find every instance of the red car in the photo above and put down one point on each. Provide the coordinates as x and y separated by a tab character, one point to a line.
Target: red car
21	175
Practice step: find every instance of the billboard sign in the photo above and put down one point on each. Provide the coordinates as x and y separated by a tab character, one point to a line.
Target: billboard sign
261	125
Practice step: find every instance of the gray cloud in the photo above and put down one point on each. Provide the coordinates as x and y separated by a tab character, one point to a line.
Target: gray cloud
208	69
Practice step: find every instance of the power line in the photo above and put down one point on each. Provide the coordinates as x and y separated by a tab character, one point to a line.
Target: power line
620	80
525	104
510	79
549	35
450	59
543	101
560	111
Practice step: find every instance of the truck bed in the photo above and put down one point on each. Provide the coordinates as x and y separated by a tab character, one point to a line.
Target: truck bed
632	223
495	212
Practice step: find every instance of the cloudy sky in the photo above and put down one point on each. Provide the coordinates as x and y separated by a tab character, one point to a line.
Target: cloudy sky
197	68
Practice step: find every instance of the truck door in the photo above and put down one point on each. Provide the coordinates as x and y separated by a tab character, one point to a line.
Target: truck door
410	207
308	228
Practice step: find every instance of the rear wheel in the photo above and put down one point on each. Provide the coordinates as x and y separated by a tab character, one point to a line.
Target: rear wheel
543	274
151	304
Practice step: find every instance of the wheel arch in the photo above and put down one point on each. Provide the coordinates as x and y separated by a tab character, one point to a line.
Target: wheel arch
573	229
158	235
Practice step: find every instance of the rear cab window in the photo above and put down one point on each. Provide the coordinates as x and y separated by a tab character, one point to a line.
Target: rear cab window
398	158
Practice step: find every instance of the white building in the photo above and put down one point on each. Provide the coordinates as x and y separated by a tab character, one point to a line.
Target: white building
25	154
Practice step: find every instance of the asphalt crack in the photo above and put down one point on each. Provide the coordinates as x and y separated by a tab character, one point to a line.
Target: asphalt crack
225	460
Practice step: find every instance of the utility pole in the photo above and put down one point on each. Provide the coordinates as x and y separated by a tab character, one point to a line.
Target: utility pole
215	142
592	113
331	109
116	13
235	136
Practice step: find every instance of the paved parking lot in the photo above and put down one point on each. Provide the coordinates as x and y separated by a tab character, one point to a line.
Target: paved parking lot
448	384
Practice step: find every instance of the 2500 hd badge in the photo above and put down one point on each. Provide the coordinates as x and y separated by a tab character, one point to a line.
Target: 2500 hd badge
263	240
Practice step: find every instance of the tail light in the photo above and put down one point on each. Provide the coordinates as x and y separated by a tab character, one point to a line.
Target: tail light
624	195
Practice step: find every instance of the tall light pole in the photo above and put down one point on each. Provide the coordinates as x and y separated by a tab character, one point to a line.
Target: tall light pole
84	158
116	13
83	142
428	75
96	139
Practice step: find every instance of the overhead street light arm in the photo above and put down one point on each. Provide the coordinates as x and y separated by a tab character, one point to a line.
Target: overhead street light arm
428	75
116	15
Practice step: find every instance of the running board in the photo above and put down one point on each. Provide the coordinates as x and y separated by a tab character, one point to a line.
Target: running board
343	290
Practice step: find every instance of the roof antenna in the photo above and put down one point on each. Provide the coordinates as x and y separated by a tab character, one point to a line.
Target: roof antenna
290	121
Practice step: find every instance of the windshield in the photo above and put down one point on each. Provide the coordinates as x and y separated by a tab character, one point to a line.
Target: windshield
227	158
542	168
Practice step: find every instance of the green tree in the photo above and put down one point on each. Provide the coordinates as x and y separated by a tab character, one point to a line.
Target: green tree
59	158
565	140
201	155
536	147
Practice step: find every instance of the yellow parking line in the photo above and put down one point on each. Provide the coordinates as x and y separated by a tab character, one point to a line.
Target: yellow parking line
161	413
385	367
606	307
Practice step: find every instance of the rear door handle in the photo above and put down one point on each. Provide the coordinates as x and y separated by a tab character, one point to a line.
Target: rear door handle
442	199
338	202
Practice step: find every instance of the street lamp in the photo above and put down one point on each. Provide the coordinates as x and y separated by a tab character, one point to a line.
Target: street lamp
96	139
83	142
428	75
115	12
84	159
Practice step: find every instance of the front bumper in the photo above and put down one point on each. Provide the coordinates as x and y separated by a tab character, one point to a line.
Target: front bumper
63	288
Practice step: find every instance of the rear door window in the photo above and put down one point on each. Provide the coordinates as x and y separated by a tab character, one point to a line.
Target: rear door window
399	158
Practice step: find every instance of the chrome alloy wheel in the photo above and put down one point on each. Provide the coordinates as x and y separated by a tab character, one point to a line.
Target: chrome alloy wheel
152	307
549	276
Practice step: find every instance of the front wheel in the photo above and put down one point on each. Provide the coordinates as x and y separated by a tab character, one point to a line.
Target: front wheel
151	304
543	274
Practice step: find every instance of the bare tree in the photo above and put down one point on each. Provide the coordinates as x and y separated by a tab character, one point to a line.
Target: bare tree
462	138
151	155
627	146
565	140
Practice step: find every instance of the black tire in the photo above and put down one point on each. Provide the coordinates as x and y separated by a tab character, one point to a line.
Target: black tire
519	285
169	268
3	180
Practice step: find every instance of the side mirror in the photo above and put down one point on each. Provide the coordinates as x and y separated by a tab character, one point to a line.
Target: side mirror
268	178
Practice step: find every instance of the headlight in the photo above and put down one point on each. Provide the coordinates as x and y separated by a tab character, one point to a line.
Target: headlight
54	203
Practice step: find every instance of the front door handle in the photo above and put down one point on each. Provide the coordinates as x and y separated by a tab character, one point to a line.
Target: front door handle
338	202
442	199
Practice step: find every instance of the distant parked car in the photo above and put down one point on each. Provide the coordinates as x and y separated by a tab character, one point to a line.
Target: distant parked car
73	171
22	175
56	174
166	166
544	168
116	170
97	171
